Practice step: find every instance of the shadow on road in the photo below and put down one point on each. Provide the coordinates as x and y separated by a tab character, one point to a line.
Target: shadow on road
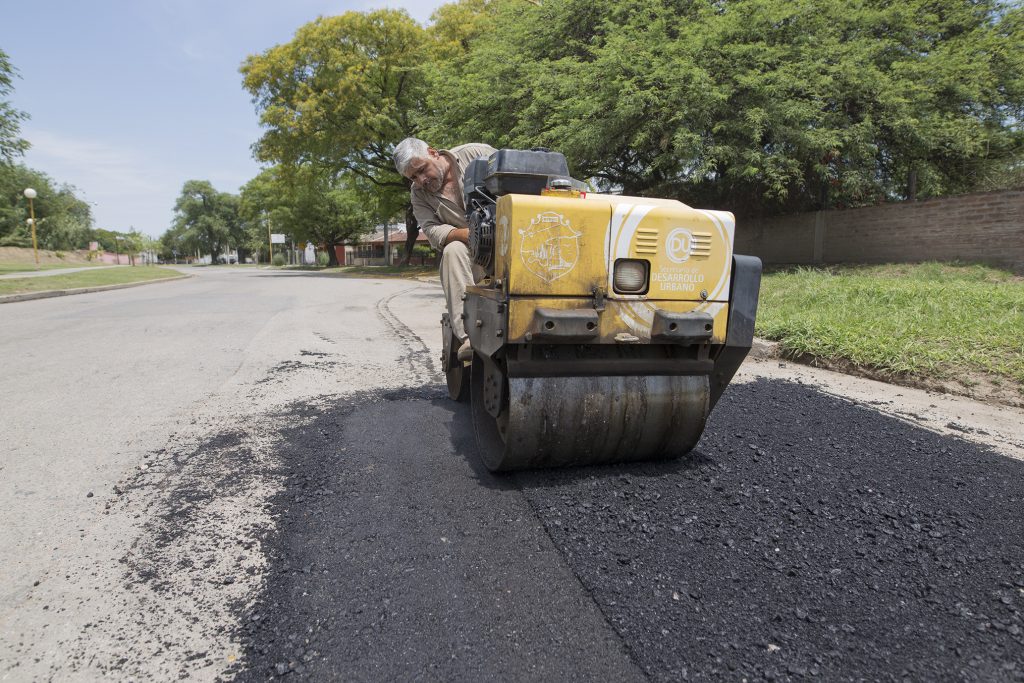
806	536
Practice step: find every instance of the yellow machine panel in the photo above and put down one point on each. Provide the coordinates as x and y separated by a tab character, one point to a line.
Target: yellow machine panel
566	245
551	246
689	250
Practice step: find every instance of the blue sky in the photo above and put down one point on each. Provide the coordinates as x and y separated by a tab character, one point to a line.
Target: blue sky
130	99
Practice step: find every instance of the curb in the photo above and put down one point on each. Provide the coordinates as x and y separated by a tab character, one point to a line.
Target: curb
29	296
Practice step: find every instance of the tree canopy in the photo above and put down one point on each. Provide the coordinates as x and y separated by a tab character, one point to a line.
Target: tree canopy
756	105
206	220
63	221
309	204
11	145
341	93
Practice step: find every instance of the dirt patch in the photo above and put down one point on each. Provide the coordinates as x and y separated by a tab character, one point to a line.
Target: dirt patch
974	385
20	255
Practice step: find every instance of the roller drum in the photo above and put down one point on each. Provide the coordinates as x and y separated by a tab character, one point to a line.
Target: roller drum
562	421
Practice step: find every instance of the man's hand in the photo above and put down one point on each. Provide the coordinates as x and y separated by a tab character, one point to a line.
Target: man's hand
457	235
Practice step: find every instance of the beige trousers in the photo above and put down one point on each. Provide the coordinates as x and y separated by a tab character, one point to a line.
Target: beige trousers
456	274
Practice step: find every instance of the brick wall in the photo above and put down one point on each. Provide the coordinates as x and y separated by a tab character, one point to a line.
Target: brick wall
986	227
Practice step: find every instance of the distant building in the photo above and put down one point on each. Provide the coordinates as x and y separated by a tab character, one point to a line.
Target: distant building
370	250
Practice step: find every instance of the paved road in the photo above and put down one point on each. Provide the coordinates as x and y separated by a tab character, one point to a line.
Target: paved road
280	488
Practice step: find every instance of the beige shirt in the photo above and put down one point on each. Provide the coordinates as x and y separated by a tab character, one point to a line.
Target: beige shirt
438	215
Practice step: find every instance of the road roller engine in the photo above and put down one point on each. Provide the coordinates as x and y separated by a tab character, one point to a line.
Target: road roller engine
606	327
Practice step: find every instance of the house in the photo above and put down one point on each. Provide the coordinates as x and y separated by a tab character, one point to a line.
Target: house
370	249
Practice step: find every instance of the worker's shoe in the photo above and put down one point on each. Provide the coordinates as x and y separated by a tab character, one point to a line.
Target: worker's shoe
465	351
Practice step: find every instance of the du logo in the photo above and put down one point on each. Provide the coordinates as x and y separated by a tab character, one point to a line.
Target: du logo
679	245
550	246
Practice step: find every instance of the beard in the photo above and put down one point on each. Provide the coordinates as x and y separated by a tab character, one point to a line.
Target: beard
434	185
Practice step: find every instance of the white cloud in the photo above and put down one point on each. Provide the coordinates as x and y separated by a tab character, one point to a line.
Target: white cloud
124	187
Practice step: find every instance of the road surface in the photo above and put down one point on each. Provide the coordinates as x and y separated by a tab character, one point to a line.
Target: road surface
256	474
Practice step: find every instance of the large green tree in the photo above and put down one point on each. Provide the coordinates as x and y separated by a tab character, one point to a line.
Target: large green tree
346	89
63	220
205	220
752	105
341	93
310	203
11	144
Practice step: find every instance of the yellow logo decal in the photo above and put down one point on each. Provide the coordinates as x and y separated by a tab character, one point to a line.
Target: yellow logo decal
550	246
679	245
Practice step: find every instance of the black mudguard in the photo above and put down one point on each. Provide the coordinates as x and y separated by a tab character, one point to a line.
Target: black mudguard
745	289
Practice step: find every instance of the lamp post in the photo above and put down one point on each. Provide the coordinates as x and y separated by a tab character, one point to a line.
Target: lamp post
30	194
117	238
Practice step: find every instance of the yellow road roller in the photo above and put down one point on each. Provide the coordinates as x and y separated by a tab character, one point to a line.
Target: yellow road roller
605	328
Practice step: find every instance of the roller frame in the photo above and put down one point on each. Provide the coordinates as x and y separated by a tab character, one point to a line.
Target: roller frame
596	404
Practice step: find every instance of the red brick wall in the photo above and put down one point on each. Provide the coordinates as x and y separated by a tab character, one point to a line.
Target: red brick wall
986	228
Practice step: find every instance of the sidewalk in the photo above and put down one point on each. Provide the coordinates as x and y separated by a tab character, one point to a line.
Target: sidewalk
52	271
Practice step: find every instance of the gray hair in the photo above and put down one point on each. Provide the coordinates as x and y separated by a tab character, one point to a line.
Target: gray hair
407	150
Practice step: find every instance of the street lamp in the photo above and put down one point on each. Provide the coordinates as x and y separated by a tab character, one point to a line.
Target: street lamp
30	194
117	238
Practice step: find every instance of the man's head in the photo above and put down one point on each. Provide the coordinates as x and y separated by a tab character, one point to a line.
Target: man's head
422	164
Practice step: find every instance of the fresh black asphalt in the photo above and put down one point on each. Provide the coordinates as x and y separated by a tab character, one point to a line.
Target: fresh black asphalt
806	538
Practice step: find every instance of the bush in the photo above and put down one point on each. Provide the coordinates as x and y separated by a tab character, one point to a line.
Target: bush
59	254
278	260
322	259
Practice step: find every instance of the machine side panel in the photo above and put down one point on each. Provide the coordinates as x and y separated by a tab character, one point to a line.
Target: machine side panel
689	250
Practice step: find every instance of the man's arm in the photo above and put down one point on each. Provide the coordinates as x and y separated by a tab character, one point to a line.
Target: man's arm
457	235
439	234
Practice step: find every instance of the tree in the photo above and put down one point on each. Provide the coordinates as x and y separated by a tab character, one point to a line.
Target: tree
340	95
310	204
205	220
751	105
63	221
11	146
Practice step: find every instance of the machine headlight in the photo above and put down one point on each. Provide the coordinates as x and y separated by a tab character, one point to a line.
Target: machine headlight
630	276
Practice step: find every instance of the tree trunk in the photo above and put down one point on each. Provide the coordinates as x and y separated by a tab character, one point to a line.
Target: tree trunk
332	255
412	231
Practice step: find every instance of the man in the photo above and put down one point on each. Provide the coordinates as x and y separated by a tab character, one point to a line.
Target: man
440	210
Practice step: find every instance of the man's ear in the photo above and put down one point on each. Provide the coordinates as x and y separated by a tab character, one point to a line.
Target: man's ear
433	152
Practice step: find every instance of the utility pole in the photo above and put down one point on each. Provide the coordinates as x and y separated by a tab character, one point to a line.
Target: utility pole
270	242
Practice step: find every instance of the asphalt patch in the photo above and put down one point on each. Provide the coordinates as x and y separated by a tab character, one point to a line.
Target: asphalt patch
807	537
396	557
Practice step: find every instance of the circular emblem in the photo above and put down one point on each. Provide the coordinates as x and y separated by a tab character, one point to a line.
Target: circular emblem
678	245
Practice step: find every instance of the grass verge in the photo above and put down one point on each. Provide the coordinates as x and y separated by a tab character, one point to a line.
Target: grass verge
6	267
945	322
85	278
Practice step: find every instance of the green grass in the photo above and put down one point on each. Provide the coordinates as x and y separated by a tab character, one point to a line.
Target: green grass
28	267
932	320
85	278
